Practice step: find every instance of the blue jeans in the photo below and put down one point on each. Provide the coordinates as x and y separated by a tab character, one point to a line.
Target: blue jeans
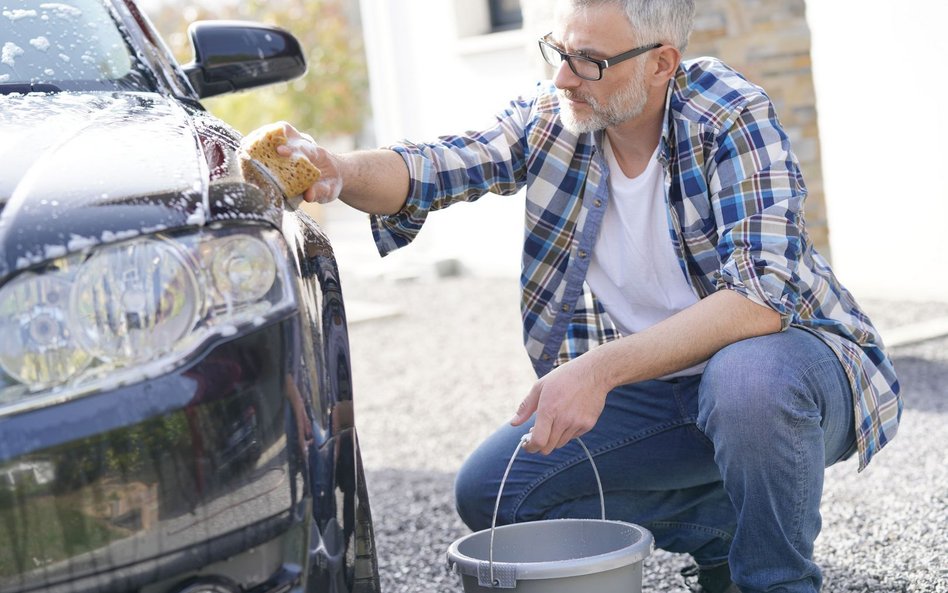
724	466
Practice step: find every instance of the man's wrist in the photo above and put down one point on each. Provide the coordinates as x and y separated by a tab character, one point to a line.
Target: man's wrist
602	367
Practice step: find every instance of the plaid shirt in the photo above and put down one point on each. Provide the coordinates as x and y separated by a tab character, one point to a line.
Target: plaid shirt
735	195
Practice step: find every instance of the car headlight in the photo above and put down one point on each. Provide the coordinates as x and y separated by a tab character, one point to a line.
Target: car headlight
118	313
243	269
134	301
36	344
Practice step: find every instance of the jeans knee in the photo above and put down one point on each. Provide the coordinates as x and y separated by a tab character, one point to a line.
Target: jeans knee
743	394
469	499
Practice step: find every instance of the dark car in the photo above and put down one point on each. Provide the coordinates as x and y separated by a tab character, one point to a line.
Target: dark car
175	393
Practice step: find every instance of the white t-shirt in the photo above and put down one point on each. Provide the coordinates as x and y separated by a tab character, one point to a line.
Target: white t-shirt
634	271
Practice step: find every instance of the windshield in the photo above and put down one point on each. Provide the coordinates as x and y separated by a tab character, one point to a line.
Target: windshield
69	45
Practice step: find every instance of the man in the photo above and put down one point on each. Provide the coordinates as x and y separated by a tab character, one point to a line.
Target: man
674	308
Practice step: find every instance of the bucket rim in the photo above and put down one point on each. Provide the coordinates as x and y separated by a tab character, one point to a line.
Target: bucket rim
550	569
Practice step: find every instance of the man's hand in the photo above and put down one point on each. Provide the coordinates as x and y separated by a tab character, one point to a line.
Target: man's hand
568	402
329	185
373	181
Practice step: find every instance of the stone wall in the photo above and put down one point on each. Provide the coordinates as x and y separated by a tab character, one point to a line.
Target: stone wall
768	41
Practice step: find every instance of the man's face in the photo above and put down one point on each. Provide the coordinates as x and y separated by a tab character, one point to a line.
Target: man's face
598	32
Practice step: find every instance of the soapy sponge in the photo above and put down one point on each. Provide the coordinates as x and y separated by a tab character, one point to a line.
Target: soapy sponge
294	174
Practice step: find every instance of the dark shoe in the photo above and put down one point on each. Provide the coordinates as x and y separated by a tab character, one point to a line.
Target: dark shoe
716	579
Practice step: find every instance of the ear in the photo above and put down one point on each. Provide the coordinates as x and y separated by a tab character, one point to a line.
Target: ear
664	64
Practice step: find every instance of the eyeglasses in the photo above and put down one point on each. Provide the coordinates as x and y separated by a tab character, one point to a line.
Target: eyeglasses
585	67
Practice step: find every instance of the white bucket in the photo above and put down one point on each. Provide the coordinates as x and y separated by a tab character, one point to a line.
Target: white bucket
553	556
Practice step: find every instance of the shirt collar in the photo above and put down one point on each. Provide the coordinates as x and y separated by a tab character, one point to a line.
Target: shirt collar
664	144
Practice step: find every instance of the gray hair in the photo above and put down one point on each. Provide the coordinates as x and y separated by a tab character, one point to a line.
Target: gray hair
667	21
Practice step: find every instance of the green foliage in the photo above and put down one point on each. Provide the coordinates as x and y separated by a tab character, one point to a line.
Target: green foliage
55	533
330	100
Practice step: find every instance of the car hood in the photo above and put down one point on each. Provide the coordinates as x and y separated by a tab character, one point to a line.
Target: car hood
82	169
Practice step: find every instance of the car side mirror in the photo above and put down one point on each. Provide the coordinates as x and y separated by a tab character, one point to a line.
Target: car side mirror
234	55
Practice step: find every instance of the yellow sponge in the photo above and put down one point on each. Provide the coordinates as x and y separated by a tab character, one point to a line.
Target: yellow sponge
295	173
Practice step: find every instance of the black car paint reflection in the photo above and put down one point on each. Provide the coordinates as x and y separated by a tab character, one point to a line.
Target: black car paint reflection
240	464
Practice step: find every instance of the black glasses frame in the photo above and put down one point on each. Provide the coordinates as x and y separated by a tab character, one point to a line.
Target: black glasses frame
600	64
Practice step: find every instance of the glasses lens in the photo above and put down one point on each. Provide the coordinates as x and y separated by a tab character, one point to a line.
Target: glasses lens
550	54
584	68
580	66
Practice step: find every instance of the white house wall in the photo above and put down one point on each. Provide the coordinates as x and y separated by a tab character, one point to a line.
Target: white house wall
433	72
880	89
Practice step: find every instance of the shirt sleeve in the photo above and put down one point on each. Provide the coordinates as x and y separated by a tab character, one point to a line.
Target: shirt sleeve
455	169
758	194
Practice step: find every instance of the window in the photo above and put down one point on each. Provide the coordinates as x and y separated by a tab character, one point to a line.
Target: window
505	15
68	46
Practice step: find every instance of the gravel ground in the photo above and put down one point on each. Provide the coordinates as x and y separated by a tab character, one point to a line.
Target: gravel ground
436	378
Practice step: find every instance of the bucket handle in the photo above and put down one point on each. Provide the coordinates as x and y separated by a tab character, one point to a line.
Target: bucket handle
494	582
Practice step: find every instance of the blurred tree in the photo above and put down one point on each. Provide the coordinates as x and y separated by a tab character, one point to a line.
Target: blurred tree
330	100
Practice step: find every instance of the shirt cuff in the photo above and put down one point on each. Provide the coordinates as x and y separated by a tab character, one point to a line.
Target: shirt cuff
392	231
767	289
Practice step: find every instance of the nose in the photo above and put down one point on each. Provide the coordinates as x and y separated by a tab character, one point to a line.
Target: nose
565	78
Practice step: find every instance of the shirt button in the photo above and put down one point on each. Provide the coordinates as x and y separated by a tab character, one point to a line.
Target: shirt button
597	203
565	308
546	357
582	254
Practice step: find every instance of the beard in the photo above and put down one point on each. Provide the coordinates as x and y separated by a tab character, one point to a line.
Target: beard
626	104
